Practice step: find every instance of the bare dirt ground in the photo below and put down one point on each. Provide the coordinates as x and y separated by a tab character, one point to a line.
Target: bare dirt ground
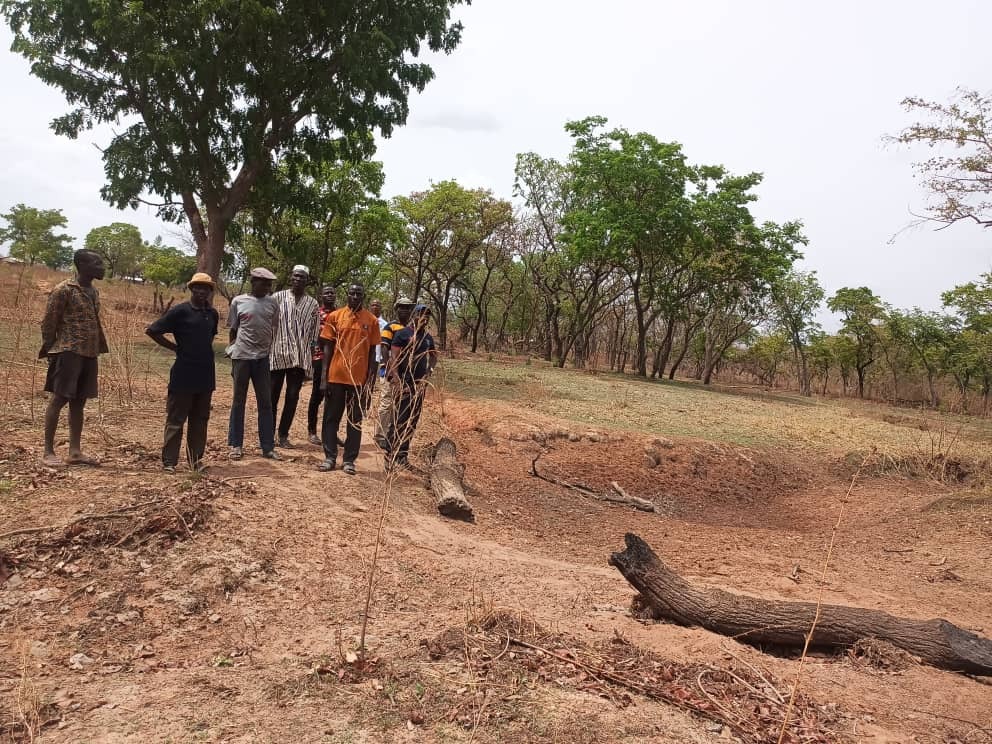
228	607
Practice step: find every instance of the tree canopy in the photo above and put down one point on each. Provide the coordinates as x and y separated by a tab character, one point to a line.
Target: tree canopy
958	176
31	235
121	246
205	94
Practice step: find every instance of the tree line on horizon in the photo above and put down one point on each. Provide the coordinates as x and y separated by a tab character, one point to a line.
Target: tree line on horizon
255	125
623	256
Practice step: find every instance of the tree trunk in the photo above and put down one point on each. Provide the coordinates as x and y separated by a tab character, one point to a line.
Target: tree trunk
806	378
446	482
642	340
861	381
766	621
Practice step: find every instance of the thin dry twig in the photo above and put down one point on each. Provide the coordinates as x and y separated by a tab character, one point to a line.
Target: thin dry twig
819	598
116	513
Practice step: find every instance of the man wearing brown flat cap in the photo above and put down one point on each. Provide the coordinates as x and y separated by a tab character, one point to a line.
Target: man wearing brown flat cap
192	379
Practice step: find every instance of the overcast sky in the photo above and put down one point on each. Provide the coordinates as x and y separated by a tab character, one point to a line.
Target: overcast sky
800	91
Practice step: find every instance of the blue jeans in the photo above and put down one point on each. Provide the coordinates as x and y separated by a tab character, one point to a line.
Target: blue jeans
255	371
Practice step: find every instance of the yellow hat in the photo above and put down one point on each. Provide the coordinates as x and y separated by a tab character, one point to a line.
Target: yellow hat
200	278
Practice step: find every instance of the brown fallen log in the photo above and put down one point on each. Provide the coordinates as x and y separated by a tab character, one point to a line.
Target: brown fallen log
766	621
446	482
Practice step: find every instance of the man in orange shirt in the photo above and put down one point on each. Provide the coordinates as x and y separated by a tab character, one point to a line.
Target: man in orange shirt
349	339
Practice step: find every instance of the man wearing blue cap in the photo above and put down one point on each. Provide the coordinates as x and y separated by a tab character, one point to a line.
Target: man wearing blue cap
412	359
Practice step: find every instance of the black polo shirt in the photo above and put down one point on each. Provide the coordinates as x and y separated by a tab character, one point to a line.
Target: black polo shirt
412	351
194	330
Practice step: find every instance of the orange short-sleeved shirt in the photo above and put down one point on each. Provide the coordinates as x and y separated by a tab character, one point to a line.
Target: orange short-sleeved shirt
353	334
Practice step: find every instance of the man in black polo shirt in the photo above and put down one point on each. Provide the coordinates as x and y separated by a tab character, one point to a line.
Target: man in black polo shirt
412	358
193	325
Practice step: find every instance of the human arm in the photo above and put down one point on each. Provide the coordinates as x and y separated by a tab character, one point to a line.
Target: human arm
327	339
375	346
157	330
50	323
161	340
104	348
233	321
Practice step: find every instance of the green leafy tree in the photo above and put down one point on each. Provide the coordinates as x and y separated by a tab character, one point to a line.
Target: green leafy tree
861	311
766	354
795	300
929	338
575	288
165	266
447	227
30	234
121	246
326	215
630	205
970	356
959	176
206	93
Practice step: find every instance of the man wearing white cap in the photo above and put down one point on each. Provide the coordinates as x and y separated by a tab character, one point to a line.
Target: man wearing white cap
192	379
253	320
289	359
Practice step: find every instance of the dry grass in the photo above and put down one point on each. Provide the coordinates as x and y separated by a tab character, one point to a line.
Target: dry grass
828	427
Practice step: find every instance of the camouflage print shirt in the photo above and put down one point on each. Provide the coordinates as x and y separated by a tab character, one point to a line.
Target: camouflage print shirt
72	321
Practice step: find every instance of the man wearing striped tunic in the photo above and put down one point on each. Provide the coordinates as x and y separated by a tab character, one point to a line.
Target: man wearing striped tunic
289	360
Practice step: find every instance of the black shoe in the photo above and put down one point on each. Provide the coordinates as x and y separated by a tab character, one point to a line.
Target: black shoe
272	455
349	468
381	442
326	466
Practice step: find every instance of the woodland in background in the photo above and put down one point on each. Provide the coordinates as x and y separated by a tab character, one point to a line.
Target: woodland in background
625	256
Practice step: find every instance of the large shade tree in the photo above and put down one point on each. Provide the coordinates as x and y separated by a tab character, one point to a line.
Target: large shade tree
204	94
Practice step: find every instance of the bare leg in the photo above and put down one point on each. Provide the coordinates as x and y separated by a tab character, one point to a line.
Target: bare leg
76	455
52	413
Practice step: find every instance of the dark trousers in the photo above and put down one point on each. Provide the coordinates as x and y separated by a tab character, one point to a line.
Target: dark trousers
180	409
294	377
256	372
316	398
342	399
408	405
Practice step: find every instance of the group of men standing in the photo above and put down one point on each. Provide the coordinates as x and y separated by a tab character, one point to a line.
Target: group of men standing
276	341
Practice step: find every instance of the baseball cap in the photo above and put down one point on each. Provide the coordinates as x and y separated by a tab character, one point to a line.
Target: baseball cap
404	301
262	273
200	278
421	309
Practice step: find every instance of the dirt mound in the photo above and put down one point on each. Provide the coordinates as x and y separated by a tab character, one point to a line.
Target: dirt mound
698	481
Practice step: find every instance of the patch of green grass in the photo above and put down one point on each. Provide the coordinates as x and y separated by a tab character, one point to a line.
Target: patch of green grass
740	415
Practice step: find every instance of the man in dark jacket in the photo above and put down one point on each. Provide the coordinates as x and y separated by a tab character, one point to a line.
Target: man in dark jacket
412	358
192	380
72	339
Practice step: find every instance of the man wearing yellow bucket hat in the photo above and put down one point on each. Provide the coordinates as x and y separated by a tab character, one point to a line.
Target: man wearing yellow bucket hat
193	325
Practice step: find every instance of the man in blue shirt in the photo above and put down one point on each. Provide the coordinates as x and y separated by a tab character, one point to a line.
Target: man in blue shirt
412	358
192	380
